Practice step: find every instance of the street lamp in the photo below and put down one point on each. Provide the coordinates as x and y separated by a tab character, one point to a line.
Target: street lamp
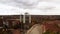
26	17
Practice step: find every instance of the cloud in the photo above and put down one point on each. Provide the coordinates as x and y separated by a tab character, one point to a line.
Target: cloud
21	3
31	6
9	10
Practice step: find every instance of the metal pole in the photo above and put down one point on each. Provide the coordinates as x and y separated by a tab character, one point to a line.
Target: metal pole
23	18
24	23
29	18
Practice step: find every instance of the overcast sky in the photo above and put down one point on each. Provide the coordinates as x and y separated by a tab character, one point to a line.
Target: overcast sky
36	7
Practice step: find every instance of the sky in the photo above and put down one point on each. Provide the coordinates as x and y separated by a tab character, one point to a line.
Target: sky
33	7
